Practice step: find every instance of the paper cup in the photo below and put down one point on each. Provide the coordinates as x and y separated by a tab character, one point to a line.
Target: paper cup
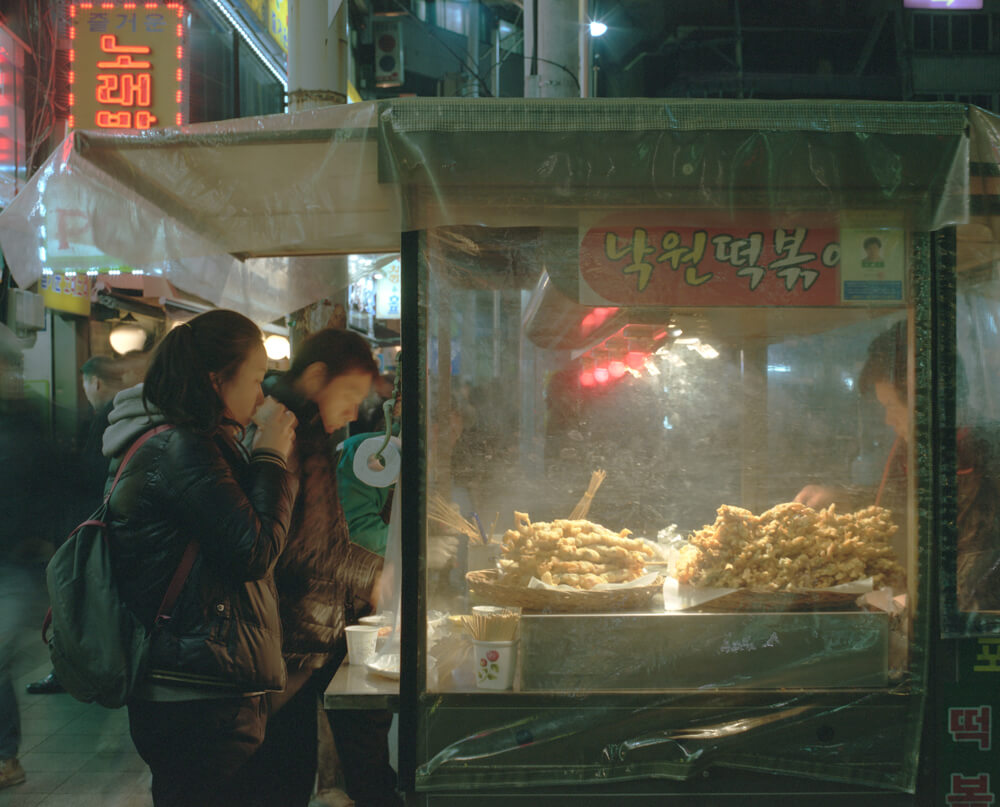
495	663
265	411
361	640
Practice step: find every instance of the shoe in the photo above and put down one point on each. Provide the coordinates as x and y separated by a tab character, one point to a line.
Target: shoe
49	685
11	772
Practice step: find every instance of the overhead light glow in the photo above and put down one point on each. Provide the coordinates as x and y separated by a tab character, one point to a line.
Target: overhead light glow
598	28
277	347
127	337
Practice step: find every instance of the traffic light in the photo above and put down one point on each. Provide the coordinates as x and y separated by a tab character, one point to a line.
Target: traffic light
388	39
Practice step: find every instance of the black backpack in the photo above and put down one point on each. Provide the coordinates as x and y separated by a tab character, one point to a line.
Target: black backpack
99	648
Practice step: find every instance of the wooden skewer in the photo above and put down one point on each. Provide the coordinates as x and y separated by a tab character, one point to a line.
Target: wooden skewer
583	506
448	515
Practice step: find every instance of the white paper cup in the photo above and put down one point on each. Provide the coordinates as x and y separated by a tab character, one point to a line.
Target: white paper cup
495	663
361	640
267	409
384	628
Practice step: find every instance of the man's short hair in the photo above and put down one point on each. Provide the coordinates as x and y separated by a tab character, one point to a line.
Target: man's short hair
872	240
103	368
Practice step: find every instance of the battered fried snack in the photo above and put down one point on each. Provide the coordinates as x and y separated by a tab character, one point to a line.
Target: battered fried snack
790	547
572	552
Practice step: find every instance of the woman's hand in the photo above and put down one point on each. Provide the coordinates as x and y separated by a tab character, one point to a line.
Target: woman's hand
277	431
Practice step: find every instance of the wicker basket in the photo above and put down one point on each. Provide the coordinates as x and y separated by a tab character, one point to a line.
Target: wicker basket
485	585
750	601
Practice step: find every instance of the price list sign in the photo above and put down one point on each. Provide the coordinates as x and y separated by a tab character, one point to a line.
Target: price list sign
127	65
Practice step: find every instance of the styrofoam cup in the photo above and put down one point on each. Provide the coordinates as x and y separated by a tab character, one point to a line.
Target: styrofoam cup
361	641
495	663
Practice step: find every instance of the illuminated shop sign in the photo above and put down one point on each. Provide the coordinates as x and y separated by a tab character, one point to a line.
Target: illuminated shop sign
127	65
629	261
12	146
945	5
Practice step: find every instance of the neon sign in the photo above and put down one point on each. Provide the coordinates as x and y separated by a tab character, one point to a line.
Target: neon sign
127	65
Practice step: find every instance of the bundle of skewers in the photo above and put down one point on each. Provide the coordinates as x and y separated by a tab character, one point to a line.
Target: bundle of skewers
450	517
499	624
583	506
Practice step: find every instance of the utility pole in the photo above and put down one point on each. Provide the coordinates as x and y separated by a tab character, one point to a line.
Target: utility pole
317	54
552	48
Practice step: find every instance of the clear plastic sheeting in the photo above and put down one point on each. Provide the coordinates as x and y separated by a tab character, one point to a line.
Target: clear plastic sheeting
970	567
536	162
194	204
709	422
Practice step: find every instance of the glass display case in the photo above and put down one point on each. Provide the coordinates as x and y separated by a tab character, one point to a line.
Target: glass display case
679	436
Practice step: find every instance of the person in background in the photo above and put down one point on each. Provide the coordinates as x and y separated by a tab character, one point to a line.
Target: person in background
103	378
200	714
323	579
26	464
977	573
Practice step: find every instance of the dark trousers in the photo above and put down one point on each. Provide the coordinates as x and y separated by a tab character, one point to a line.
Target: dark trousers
197	749
362	739
283	771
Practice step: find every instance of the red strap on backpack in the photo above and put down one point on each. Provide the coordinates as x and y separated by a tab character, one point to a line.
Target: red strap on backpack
187	559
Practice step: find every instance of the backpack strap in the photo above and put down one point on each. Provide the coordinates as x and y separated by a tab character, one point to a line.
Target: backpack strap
176	584
131	451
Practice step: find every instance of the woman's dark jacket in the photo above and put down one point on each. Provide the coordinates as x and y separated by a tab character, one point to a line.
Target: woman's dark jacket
224	632
321	572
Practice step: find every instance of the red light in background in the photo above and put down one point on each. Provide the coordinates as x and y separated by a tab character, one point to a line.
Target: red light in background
616	368
586	379
635	359
601	375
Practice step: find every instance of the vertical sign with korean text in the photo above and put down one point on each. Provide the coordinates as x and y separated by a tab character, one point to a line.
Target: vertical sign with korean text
127	65
968	672
388	292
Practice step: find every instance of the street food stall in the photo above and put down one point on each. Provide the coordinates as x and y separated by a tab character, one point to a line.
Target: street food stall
694	394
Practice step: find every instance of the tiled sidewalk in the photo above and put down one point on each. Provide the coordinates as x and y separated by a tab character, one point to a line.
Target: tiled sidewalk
77	754
74	754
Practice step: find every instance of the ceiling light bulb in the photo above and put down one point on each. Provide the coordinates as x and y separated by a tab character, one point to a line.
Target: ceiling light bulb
127	337
598	28
277	347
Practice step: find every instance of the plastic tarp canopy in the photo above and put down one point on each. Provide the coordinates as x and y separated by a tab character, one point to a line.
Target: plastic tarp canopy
238	211
250	214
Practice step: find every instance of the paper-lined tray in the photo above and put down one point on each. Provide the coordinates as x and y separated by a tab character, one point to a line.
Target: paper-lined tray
679	597
485	584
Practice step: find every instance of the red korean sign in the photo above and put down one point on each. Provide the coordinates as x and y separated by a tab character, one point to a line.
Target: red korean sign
126	65
655	263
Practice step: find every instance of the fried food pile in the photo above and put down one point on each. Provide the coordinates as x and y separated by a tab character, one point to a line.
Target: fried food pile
789	547
576	553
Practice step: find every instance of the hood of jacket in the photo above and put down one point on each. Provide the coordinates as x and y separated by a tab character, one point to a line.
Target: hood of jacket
128	419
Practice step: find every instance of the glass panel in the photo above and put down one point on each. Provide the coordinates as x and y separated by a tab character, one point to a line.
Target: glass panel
970	577
654	498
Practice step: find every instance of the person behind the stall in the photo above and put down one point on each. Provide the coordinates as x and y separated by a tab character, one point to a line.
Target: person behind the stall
200	713
977	574
324	581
